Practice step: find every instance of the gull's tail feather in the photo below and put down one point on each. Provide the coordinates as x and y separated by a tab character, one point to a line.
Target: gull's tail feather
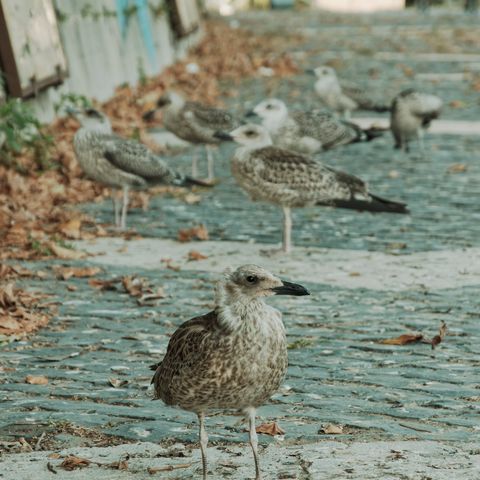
187	181
373	204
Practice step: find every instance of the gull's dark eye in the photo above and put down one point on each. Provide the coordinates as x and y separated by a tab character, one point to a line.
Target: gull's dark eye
252	279
250	133
91	112
269	107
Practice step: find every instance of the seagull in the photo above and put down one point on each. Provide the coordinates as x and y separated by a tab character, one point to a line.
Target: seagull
234	357
343	97
310	131
412	112
194	122
118	162
289	179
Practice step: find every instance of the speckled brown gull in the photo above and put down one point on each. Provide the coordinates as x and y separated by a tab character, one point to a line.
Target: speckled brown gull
412	112
289	179
344	97
118	162
308	131
234	357
194	122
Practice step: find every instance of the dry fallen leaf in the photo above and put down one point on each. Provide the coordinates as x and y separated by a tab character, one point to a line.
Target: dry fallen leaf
150	299
72	463
120	465
194	255
65	273
457	104
36	380
133	285
331	429
270	428
188	234
457	168
104	284
403	339
117	383
71	228
65	253
437	339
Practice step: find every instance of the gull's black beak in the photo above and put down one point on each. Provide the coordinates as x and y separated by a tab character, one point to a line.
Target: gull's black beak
251	114
149	115
289	288
72	112
223	136
310	71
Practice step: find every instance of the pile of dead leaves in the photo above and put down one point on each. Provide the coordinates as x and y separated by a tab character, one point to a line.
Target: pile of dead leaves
22	311
37	211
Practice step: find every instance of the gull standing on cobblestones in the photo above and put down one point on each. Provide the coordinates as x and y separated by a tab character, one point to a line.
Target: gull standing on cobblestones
289	179
234	357
310	131
343	97
194	122
118	162
412	113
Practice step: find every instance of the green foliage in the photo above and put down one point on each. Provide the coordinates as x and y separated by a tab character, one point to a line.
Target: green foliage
72	100
20	131
301	343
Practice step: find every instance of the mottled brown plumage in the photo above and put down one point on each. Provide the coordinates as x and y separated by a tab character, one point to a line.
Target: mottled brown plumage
289	179
194	122
234	357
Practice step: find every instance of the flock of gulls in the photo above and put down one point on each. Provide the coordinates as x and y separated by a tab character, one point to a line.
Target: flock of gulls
235	357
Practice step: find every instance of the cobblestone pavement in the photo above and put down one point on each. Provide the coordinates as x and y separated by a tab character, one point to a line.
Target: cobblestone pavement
97	351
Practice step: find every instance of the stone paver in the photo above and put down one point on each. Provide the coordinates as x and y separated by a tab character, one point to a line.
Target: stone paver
338	372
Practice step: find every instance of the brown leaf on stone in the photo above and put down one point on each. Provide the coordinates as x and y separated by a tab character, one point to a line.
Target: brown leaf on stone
270	428
120	465
437	339
72	463
104	284
65	253
134	286
195	255
457	168
117	383
71	228
403	339
36	380
64	273
331	429
457	104
199	232
151	299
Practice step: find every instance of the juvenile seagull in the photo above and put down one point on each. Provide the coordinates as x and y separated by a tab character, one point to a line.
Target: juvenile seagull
412	113
343	97
308	132
234	357
195	123
118	162
289	179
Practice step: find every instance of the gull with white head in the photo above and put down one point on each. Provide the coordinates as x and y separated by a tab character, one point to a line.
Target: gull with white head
194	122
289	179
118	162
233	358
309	131
343	97
412	113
